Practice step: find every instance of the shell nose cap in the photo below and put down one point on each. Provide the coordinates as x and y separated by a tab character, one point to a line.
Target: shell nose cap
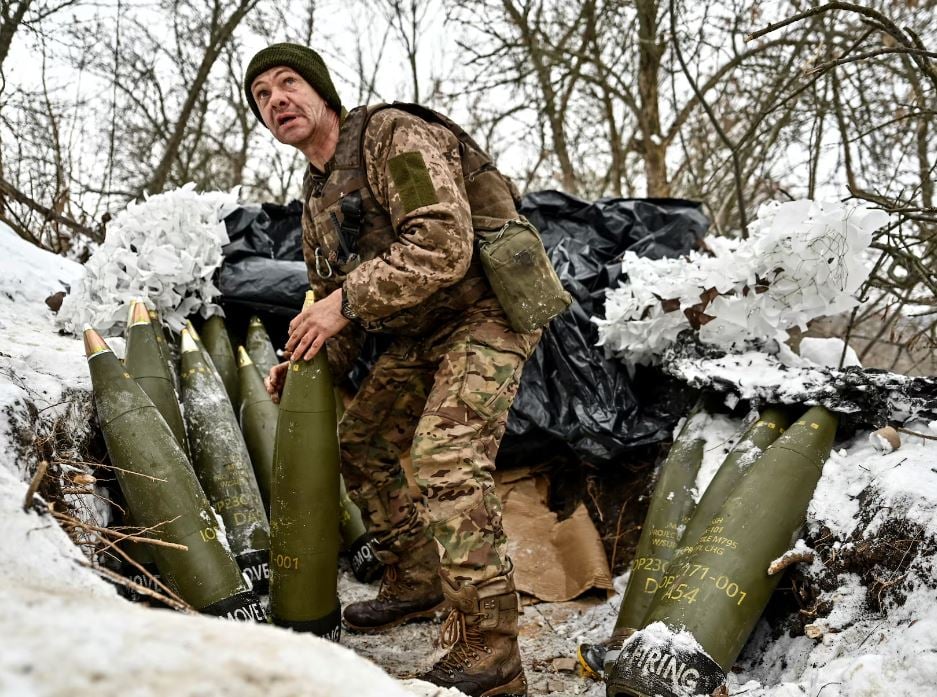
94	344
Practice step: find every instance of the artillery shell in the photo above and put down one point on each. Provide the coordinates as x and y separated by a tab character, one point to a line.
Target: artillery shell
216	342
223	464
163	494
357	542
719	590
259	347
166	345
670	508
304	505
146	363
258	423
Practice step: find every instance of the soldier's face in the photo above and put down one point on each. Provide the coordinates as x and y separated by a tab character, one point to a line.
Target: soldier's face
291	109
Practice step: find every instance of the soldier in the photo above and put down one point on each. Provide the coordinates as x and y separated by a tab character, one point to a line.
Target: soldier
394	197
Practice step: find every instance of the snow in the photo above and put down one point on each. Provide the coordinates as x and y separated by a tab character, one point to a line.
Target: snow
31	274
65	631
67	641
754	374
721	434
827	352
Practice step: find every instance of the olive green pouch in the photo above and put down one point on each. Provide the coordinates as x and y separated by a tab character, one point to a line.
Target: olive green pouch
520	272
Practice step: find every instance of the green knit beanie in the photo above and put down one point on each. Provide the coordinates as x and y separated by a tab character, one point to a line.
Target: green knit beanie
303	60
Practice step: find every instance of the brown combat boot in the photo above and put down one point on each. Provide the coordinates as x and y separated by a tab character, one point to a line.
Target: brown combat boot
410	590
481	633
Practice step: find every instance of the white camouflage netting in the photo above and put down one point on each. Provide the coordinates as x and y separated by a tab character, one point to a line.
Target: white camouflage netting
165	249
803	259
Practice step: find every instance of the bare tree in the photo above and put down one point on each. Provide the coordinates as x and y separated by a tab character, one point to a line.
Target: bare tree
406	18
218	31
876	83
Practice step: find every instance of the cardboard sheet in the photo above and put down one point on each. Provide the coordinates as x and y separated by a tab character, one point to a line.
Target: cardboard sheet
553	561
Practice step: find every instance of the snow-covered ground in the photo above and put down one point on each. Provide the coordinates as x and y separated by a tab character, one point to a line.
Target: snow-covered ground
63	630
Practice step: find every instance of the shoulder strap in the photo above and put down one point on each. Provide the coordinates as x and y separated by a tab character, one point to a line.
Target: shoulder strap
475	160
469	145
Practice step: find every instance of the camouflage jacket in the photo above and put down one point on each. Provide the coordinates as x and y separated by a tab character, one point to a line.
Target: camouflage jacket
415	267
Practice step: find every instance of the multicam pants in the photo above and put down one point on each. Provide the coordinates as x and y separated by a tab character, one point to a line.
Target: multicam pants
445	397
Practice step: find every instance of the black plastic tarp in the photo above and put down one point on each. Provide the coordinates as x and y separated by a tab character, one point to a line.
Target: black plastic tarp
570	391
570	394
263	268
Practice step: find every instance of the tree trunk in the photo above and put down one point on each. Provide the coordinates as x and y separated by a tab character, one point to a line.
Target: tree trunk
11	22
650	52
550	101
218	39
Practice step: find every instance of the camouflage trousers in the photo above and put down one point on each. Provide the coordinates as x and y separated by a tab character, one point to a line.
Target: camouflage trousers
445	398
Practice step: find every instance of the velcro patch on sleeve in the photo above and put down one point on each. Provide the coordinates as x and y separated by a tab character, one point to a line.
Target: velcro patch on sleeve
412	181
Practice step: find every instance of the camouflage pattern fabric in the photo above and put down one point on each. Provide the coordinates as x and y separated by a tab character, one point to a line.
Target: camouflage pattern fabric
445	397
417	266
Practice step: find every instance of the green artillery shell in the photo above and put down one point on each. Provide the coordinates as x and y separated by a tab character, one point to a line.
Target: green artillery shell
216	342
163	494
201	347
223	464
670	507
721	588
258	423
146	364
259	346
304	516
166	345
752	444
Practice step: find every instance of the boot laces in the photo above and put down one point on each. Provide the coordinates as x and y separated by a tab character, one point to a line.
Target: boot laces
391	584
464	641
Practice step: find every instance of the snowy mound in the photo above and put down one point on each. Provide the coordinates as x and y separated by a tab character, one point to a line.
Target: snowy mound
166	249
865	397
31	274
803	260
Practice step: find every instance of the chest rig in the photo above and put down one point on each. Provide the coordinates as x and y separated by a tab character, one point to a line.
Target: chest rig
346	225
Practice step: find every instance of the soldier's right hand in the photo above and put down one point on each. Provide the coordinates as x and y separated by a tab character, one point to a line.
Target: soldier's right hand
275	380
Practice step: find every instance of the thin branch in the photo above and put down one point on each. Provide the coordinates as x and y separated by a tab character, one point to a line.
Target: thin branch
870	54
9	190
736	164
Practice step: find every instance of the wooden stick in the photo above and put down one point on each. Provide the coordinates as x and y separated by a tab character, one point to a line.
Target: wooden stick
134	563
789	559
118	536
915	433
34	484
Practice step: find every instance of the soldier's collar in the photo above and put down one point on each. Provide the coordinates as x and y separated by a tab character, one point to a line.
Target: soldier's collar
330	165
317	173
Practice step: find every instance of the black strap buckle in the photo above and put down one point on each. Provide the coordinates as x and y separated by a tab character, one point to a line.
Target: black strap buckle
349	229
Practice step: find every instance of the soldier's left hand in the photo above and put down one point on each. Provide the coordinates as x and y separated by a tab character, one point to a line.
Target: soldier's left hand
319	322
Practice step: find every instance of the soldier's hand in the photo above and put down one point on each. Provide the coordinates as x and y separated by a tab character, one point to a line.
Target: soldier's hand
310	329
275	379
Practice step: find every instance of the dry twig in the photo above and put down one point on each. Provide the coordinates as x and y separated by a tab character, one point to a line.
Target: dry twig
789	559
139	587
34	483
110	533
915	433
